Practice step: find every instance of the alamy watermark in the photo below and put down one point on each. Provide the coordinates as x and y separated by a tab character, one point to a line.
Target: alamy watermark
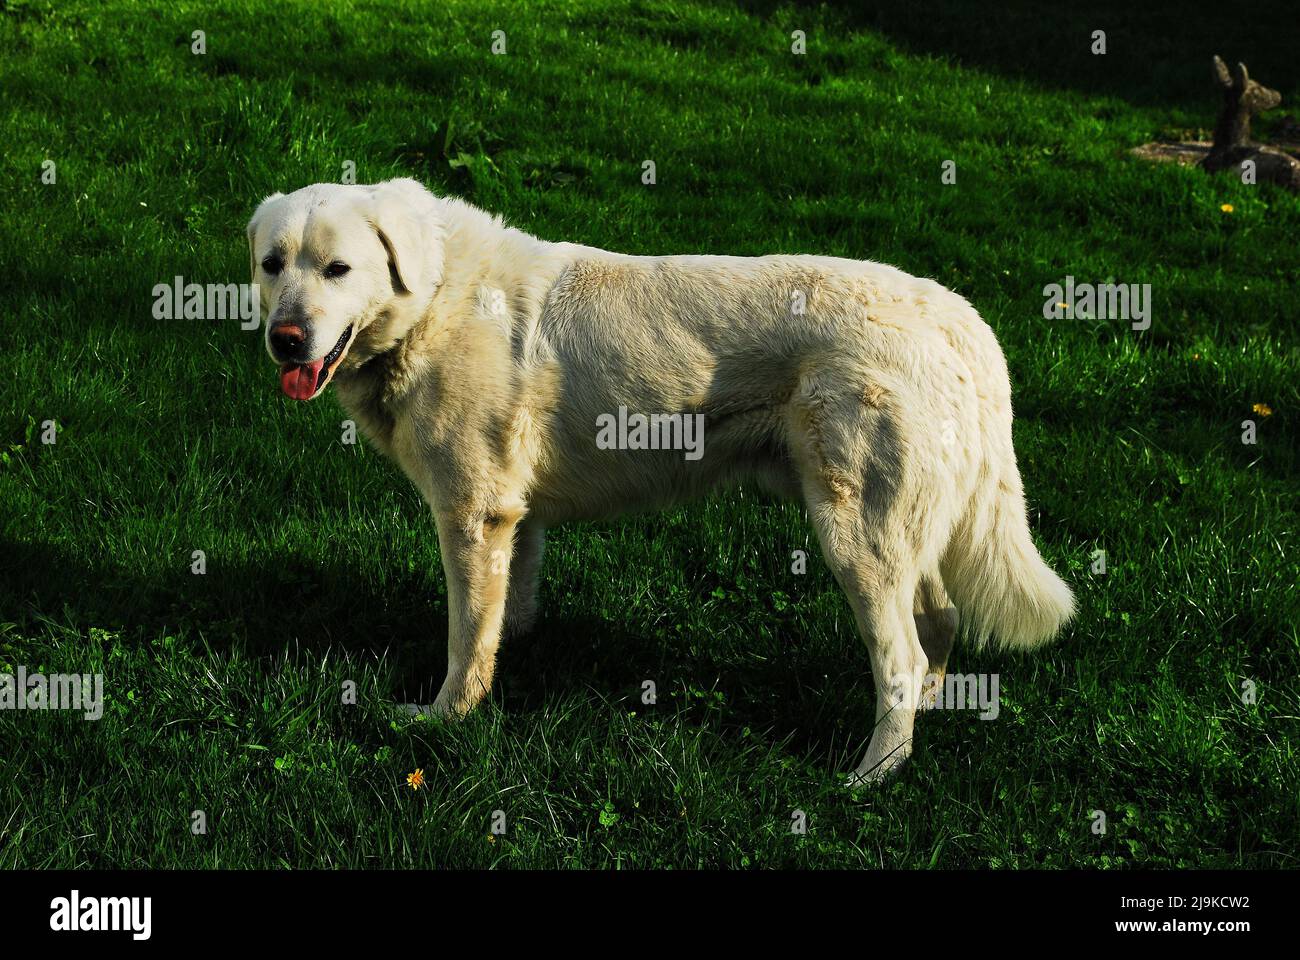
55	691
1098	301
953	691
658	431
75	914
179	300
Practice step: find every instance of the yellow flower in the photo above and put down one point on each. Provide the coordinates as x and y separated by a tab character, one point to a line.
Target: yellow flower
1263	409
1196	356
1226	208
415	780
491	839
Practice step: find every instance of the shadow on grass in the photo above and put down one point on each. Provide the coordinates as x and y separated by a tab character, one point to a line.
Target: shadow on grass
1157	54
295	605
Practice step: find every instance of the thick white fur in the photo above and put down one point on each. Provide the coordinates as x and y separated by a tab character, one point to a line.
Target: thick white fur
483	357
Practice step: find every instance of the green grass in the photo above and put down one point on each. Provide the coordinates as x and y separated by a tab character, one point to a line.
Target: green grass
322	565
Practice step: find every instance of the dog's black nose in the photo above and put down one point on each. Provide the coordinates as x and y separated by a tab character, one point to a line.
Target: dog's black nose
287	340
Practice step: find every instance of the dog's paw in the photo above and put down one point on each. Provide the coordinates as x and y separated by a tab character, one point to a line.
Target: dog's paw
873	773
875	777
418	711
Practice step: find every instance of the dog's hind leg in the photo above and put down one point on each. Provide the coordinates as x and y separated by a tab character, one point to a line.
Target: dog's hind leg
873	468
521	595
854	495
877	578
936	626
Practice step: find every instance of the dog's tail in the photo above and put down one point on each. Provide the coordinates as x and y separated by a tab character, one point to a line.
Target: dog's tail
992	571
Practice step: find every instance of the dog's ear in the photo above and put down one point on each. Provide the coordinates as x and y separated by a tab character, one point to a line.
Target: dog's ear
405	216
252	234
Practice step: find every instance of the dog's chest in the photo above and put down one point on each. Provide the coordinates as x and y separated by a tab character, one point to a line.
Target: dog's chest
364	397
387	407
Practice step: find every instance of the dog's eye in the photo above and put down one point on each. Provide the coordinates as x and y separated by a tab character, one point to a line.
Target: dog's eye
337	269
272	265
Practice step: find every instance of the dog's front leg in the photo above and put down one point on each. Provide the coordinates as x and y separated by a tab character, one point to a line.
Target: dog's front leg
476	554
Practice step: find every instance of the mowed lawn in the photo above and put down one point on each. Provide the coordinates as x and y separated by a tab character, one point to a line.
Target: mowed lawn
223	690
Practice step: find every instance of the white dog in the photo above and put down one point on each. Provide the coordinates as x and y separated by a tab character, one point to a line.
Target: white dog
491	366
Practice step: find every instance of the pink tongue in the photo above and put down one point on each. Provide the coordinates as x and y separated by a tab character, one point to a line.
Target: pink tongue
299	381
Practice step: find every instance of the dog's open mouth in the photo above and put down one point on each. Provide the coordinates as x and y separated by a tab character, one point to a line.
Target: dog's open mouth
302	381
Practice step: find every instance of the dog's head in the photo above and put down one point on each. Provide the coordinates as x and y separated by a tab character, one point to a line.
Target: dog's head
340	267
